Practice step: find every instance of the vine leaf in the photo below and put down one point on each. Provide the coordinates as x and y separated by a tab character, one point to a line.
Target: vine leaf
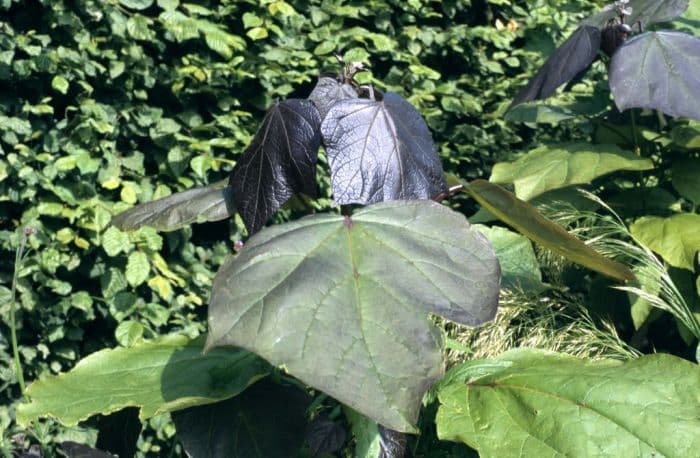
526	219
658	70
573	57
280	161
529	402
210	203
328	91
342	303
380	151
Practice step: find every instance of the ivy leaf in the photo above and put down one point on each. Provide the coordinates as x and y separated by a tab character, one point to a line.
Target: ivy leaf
676	239
525	218
546	168
534	403
157	376
380	151
280	162
266	420
210	203
328	91
657	70
343	302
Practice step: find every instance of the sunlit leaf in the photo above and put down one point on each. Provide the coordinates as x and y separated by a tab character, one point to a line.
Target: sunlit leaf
534	403
676	239
546	168
328	91
280	161
343	302
527	220
157	376
380	151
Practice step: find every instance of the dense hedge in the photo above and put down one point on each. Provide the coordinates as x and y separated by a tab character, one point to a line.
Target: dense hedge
107	104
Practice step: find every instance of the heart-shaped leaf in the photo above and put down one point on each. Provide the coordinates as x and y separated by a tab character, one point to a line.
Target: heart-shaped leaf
280	161
157	376
646	12
676	239
658	70
380	151
342	302
210	203
546	168
328	91
525	218
534	403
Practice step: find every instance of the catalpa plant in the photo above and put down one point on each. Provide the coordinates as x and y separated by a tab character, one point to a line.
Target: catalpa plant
342	300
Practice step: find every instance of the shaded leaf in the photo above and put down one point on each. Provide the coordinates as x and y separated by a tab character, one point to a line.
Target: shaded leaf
342	303
574	56
546	168
328	91
265	421
380	151
366	434
676	239
324	436
76	450
210	203
119	432
519	266
645	11
534	403
685	177
539	114
527	220
280	161
657	70
157	376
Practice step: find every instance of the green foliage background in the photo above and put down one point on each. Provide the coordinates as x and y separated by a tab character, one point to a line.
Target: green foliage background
106	104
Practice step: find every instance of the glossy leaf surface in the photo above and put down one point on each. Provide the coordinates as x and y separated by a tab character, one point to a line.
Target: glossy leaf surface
343	302
676	239
280	161
328	91
210	203
380	151
265	421
574	56
527	220
534	403
658	70
547	168
158	376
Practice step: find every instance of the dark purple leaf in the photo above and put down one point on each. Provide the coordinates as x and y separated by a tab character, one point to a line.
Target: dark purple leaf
328	91
323	435
644	12
280	161
574	56
658	70
380	151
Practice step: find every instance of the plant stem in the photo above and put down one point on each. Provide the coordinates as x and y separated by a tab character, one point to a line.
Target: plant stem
444	195
13	324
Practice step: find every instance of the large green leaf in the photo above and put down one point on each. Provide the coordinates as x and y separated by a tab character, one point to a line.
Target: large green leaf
676	239
534	403
525	218
343	302
265	421
158	376
519	266
546	168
